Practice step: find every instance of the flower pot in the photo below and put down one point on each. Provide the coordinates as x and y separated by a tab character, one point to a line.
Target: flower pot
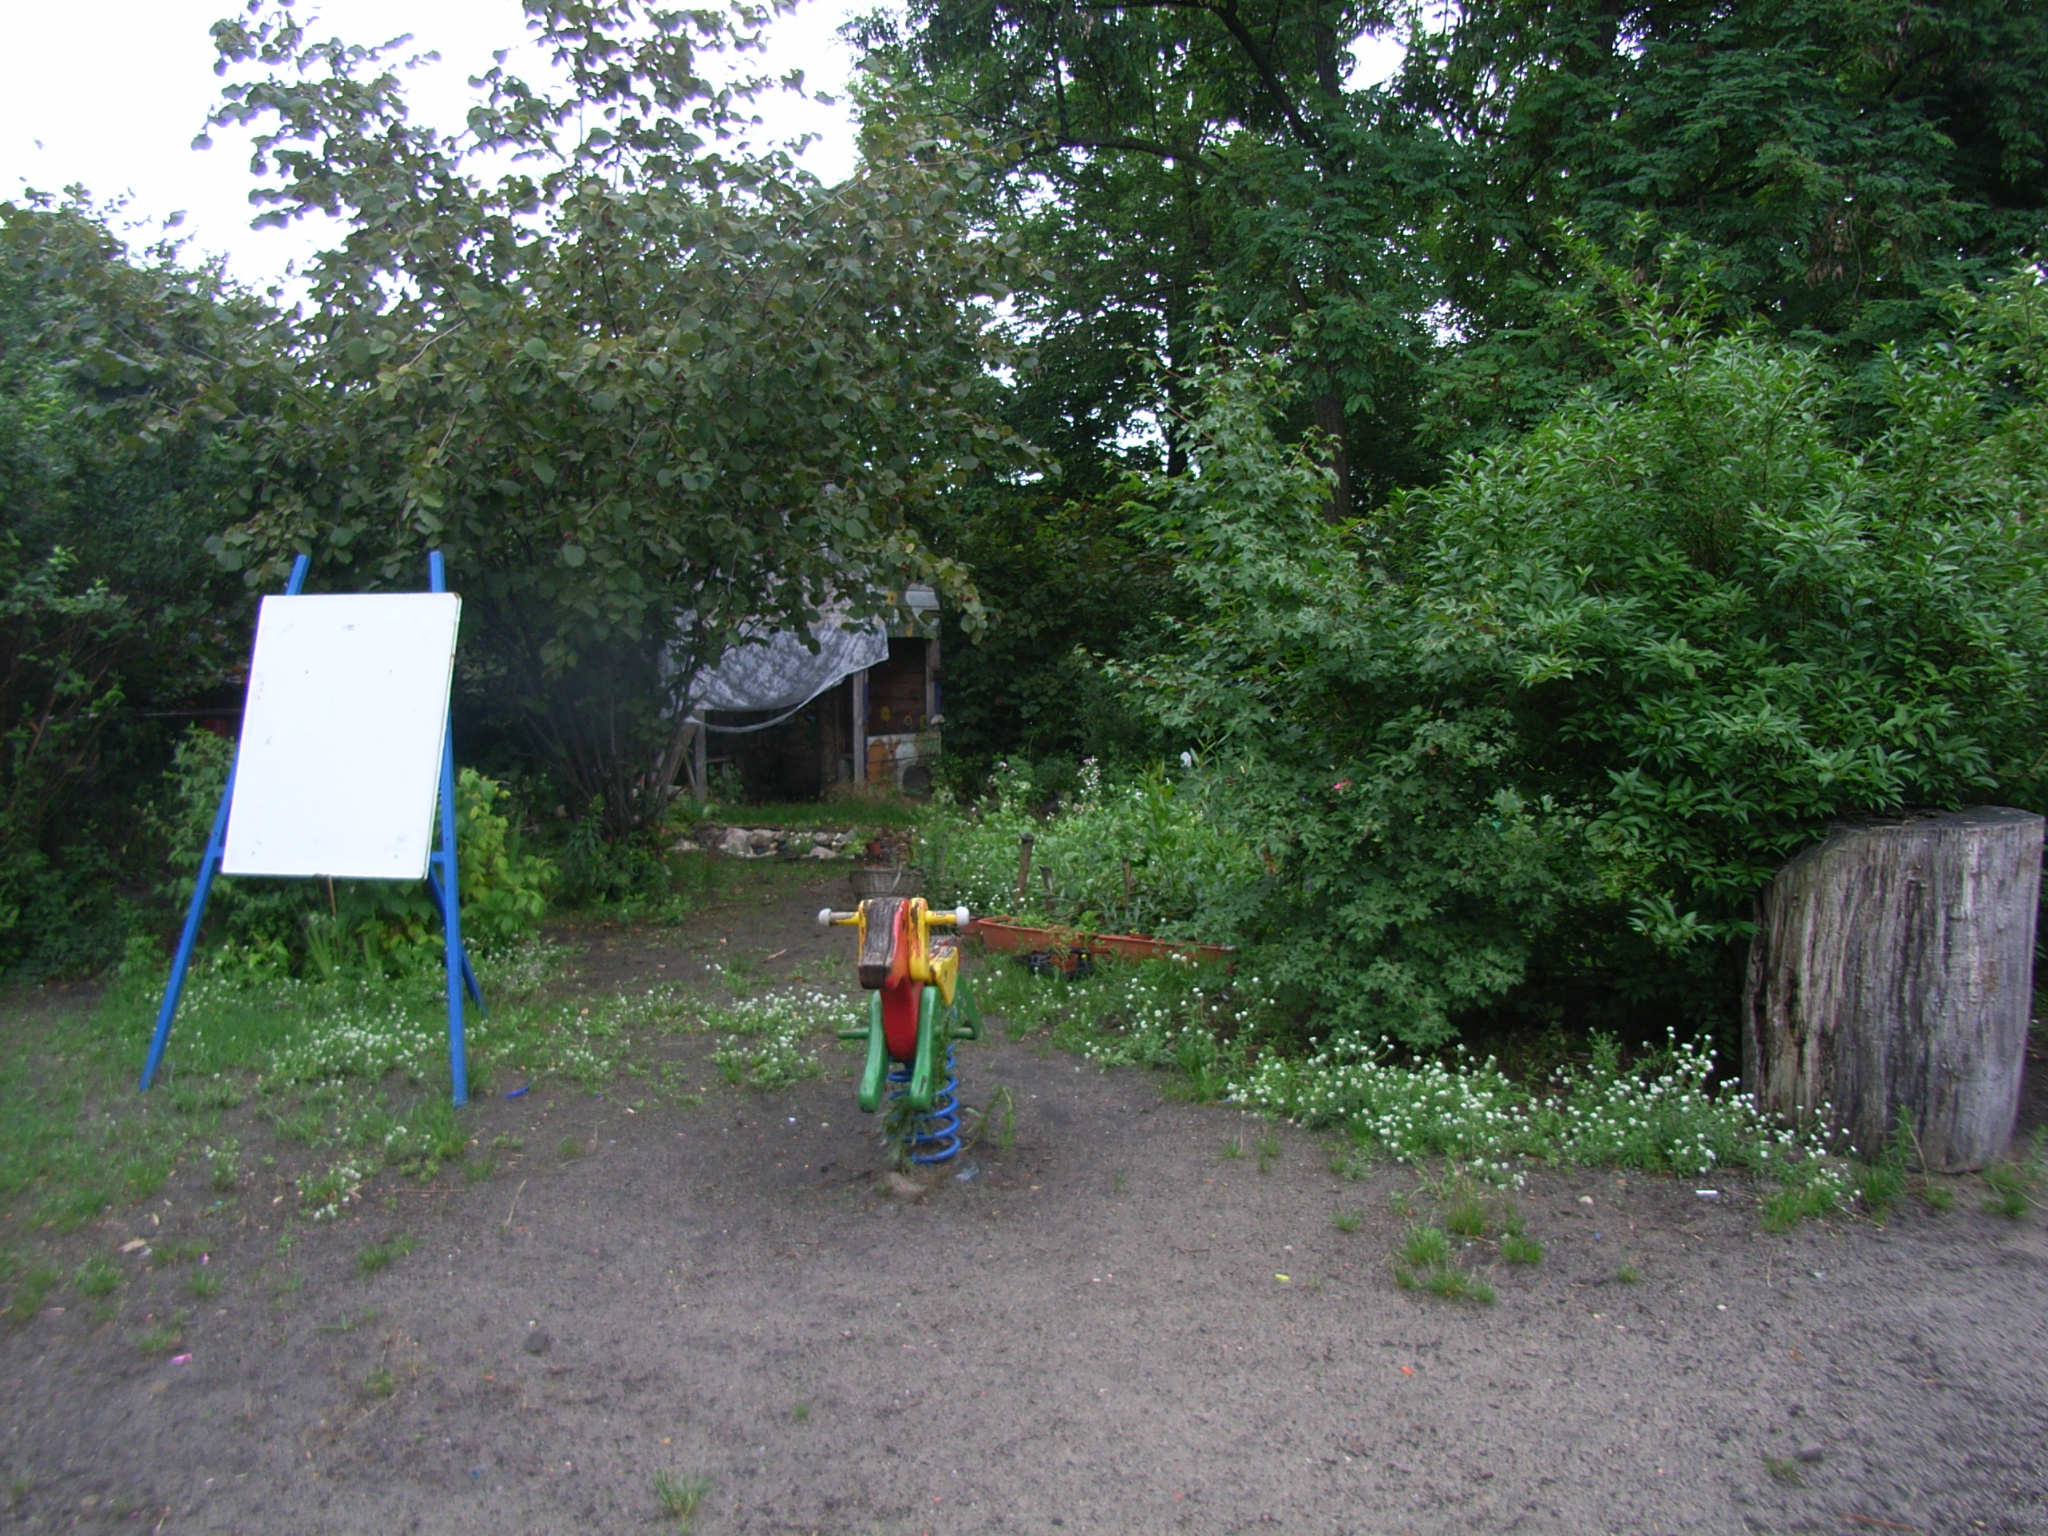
1009	936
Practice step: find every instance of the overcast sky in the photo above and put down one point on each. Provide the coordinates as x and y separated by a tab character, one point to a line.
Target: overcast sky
111	94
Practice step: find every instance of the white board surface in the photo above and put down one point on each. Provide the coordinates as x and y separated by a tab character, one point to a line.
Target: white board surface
340	756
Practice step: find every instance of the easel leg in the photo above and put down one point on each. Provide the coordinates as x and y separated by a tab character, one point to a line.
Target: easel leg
175	988
451	888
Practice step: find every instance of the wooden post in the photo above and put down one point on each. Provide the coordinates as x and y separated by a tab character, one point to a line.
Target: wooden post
860	726
1893	970
1023	868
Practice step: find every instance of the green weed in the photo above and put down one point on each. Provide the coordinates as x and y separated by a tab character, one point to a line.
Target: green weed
1424	1247
1268	1149
679	1497
167	1336
203	1284
97	1277
1348	1221
2011	1184
223	1170
1465	1215
1784	1471
379	1256
1519	1248
167	1251
29	1291
1628	1274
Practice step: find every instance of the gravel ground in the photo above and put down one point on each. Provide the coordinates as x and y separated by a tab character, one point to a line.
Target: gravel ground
1112	1326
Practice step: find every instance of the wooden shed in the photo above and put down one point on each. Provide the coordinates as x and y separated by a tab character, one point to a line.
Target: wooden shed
875	722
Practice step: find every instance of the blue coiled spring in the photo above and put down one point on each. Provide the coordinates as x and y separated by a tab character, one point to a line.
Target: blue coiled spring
934	1137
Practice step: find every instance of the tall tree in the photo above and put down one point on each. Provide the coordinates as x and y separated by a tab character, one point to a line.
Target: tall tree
1838	163
1170	158
645	388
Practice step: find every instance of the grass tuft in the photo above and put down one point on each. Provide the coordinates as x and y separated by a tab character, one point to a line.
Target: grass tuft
380	1255
1520	1248
679	1497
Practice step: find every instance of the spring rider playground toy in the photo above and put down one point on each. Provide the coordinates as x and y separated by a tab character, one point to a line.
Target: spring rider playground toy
918	1007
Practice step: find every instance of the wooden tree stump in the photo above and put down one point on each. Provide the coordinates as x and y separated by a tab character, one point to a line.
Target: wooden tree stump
1893	970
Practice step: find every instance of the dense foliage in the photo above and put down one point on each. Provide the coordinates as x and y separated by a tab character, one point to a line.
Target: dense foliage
645	387
317	928
117	377
1585	696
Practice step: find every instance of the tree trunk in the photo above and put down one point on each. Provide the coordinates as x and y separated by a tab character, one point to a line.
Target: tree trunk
1893	971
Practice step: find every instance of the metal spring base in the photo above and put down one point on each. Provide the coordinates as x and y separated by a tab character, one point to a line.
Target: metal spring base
934	1137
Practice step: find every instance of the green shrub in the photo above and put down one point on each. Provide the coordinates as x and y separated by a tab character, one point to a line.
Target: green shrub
1576	705
1191	874
310	926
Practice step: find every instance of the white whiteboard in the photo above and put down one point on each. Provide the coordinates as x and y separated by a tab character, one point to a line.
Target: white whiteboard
340	758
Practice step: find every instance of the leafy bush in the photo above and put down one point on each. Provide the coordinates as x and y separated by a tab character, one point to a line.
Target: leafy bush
1580	701
286	924
1191	876
61	641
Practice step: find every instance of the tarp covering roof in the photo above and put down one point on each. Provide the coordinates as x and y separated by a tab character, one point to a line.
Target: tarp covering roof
782	673
776	670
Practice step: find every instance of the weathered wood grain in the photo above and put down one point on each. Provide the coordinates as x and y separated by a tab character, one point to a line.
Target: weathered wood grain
1893	970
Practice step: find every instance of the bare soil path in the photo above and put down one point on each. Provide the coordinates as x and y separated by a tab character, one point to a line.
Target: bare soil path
1112	1328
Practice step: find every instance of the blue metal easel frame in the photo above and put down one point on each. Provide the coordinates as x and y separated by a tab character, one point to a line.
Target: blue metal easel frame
444	887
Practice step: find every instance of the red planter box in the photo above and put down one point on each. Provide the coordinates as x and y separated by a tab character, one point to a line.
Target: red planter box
1008	936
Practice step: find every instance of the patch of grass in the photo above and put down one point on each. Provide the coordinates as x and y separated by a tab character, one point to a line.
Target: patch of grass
380	1383
1628	1274
505	1141
2012	1184
478	1170
204	1283
1939	1197
175	1250
379	1256
96	1277
570	1149
165	1337
1884	1180
771	1041
223	1166
801	1412
1465	1214
29	1291
1268	1149
144	1176
1783	1470
206	1095
680	1496
1232	1148
1807	1190
1520	1248
1424	1247
1453	1284
302	1126
1348	1221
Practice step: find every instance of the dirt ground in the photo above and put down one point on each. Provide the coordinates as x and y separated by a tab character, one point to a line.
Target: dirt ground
1113	1328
